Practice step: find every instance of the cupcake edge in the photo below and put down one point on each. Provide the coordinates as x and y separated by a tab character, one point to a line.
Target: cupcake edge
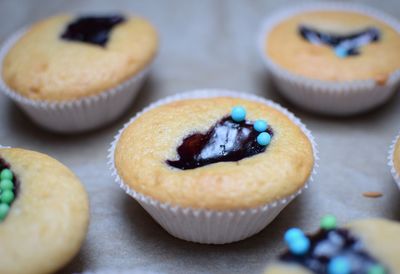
393	171
136	270
366	230
209	226
340	98
78	115
66	254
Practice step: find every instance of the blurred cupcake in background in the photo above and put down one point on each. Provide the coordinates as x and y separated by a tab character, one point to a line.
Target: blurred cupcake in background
333	58
73	73
367	246
394	159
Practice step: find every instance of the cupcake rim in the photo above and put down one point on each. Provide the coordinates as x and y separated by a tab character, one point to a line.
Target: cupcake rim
210	93
327	86
390	163
120	271
10	41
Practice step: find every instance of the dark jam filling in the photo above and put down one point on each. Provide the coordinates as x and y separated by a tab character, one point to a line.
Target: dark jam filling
92	29
4	165
226	141
328	244
349	44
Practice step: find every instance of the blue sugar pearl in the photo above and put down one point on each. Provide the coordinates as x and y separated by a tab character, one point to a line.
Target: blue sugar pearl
260	125
263	139
341	52
299	246
339	265
238	114
293	234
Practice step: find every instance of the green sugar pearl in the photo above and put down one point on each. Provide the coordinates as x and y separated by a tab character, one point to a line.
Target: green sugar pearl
4	208
328	222
7	197
6	174
6	184
376	269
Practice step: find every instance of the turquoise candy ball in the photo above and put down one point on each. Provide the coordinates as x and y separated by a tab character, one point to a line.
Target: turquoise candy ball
4	208
376	269
297	242
341	52
339	265
6	174
263	139
6	185
260	125
238	114
299	246
293	234
7	197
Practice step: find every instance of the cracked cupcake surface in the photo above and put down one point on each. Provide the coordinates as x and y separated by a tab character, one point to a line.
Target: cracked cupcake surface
47	222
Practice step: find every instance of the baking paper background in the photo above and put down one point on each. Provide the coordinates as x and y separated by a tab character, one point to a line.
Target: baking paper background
207	44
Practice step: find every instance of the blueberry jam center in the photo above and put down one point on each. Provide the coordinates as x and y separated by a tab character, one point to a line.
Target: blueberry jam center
92	29
346	45
226	141
328	244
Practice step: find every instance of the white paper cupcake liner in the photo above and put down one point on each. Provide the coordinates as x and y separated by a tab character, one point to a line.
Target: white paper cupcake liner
74	115
332	98
395	174
208	226
140	270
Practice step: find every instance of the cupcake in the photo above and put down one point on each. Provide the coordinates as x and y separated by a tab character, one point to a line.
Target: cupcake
332	58
75	73
213	166
44	213
369	246
394	160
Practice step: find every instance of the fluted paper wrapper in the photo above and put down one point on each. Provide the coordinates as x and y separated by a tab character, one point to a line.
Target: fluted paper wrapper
208	226
139	270
74	115
325	97
395	174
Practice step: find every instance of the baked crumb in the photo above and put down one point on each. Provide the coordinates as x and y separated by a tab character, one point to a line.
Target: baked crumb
372	194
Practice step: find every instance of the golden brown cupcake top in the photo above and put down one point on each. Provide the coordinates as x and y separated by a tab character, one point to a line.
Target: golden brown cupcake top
42	65
48	220
145	145
376	60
